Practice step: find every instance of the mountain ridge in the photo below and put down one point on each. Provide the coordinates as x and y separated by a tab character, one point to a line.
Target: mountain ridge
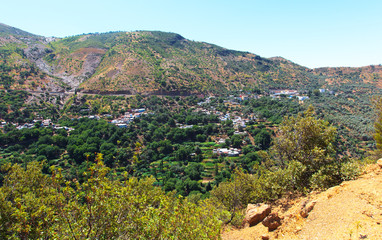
154	62
14	31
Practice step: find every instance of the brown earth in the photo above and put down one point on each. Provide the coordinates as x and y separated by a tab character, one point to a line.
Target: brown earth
352	210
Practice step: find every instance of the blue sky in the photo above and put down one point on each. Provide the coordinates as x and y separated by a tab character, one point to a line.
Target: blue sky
310	33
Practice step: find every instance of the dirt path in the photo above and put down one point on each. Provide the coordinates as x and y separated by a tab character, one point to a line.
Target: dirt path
352	210
251	139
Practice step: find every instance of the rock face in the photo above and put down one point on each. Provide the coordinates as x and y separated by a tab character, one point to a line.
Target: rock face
272	222
256	213
307	207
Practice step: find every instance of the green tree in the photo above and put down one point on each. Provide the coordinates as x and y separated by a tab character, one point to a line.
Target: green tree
38	206
377	103
307	140
236	193
236	141
263	139
194	170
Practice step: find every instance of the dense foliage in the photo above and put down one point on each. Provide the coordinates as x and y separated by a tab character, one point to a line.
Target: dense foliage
78	166
302	158
36	206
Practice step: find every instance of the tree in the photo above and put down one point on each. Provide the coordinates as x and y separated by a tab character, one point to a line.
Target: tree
236	141
305	139
263	139
38	206
236	193
377	102
309	141
194	170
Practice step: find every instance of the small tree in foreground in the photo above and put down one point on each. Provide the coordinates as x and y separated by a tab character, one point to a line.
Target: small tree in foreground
377	102
309	141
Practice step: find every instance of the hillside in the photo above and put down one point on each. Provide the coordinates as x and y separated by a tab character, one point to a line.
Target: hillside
347	76
351	210
8	30
20	65
155	62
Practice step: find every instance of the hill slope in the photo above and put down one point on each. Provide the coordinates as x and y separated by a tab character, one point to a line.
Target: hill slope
5	29
20	65
352	210
154	62
140	62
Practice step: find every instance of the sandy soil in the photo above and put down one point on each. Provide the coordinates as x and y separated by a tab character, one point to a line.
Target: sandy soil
352	210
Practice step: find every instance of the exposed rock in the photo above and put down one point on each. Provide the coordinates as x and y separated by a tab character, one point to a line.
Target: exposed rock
256	213
379	162
354	208
272	222
265	237
306	208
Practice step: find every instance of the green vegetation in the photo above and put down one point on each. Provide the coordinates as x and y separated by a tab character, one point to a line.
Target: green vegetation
180	159
90	166
302	158
378	125
37	206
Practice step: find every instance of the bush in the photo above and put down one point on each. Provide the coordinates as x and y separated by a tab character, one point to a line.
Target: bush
350	170
326	176
38	206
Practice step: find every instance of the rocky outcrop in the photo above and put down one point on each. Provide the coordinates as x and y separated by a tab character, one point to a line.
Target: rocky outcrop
353	208
306	208
272	221
256	213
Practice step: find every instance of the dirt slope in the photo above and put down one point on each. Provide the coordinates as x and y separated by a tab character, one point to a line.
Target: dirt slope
352	210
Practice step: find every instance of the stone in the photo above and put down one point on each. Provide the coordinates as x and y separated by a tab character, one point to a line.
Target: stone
272	221
379	162
265	237
307	207
256	213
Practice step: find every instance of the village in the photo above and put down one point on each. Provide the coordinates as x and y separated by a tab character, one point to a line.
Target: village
239	120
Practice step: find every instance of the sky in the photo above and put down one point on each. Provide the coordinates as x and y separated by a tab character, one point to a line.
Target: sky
319	33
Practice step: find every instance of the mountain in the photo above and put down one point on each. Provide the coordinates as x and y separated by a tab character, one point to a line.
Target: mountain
5	29
147	62
345	75
152	62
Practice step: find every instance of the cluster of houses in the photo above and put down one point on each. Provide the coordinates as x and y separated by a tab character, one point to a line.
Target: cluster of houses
184	126
276	93
287	92
128	117
322	90
230	152
122	121
294	93
207	101
237	119
234	100
44	123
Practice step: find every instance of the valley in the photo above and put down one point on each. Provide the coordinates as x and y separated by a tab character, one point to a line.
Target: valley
154	125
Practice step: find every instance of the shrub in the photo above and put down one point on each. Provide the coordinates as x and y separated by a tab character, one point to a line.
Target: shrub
350	170
38	206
